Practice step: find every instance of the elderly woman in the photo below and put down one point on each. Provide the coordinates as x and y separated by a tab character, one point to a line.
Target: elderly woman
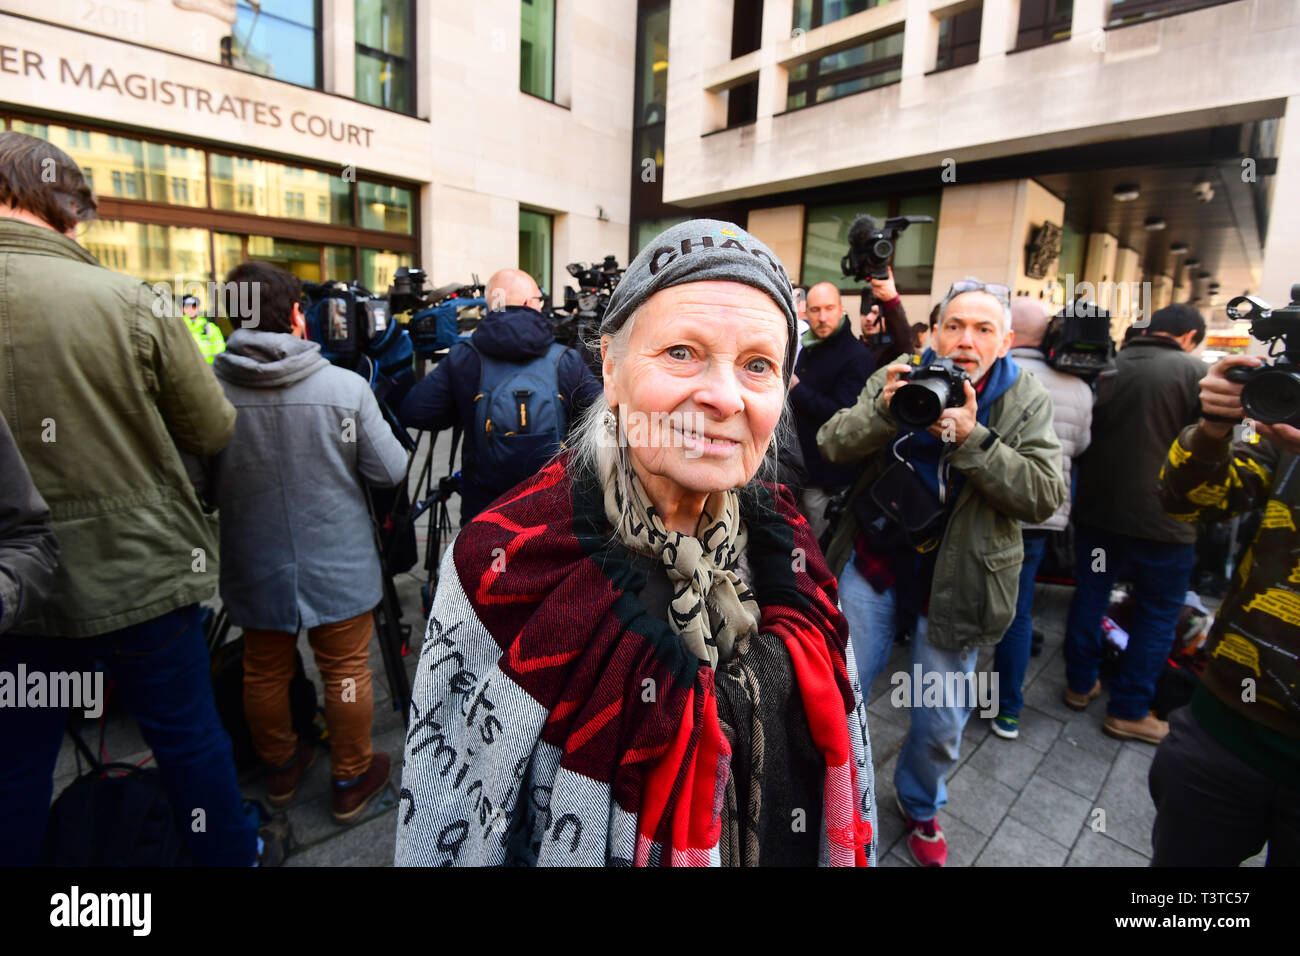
637	657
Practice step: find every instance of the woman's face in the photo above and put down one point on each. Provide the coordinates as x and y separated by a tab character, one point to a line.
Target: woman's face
699	389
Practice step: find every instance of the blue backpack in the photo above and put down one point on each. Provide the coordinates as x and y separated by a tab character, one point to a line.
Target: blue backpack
519	417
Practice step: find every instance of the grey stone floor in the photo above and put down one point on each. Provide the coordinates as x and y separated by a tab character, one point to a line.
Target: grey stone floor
1029	802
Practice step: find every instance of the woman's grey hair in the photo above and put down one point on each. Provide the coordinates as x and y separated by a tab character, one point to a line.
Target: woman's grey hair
1005	302
604	452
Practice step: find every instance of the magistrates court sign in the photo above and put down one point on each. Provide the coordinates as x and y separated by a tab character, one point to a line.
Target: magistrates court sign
122	83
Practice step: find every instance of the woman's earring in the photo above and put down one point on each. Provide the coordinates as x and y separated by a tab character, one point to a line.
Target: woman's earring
610	422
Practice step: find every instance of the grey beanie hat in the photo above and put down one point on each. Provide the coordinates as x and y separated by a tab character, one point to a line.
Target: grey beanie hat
696	251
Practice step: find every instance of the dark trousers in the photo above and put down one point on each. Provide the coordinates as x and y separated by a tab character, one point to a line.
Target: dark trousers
162	675
1011	658
1160	573
1212	808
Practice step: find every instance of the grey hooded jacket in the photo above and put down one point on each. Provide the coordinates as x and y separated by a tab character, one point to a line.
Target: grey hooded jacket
297	547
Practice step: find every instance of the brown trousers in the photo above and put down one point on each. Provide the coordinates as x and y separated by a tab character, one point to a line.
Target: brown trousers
342	653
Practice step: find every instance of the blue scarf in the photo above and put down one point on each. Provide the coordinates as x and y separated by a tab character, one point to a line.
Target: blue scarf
926	452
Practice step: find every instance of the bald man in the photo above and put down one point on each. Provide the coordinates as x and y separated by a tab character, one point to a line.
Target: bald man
830	371
1072	421
517	340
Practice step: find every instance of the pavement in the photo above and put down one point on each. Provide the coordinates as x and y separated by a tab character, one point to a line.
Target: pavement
1062	794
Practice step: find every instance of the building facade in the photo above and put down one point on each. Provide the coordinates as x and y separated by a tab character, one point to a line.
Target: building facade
1149	137
337	138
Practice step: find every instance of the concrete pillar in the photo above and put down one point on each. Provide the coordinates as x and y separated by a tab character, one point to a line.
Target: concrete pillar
1087	19
773	80
1126	297
564	10
1099	261
920	39
1162	288
1282	250
782	229
999	22
338	54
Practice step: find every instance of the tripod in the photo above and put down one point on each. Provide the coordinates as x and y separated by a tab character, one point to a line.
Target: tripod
440	526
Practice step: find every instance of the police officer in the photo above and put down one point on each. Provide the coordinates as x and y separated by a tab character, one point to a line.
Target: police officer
211	342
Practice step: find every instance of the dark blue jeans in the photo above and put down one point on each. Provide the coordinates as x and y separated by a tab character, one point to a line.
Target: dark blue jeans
161	672
1011	659
1160	573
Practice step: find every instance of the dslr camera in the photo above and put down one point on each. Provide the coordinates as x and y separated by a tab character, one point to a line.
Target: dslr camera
1271	393
929	390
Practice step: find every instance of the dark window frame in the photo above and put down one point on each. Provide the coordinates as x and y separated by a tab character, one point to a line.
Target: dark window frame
1042	32
814	80
958	53
413	47
1140	11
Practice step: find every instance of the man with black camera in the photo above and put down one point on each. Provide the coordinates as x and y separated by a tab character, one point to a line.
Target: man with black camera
514	390
1121	529
831	368
957	449
1226	777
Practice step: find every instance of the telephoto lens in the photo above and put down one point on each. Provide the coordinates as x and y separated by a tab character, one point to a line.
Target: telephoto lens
929	390
1271	395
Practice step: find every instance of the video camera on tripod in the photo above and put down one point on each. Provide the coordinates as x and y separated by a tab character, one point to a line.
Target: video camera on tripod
584	308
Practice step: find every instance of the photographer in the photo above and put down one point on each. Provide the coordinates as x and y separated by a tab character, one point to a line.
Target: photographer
885	331
990	461
1226	778
513	347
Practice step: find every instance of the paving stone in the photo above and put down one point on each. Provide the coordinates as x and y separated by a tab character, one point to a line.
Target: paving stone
893	859
887	733
890	823
1052	810
311	821
364	844
1005	761
1015	844
964	842
1074	769
1097	849
1127	802
1037	730
1083	730
1046	694
976	798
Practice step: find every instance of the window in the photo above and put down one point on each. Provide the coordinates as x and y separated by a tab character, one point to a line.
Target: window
647	230
1132	11
535	246
826	240
277	38
810	14
959	40
136	169
746	37
149	252
384	207
875	63
270	189
1043	21
537	48
385	34
378	266
1070	263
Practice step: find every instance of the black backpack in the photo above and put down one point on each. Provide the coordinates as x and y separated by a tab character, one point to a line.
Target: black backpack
519	417
115	815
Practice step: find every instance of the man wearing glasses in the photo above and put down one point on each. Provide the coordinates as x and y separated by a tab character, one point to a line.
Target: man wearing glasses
511	355
940	536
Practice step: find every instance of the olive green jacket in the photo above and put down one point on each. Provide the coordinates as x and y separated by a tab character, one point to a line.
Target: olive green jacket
100	393
1013	475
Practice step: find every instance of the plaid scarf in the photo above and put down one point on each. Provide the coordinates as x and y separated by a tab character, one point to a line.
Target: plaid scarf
710	606
555	721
